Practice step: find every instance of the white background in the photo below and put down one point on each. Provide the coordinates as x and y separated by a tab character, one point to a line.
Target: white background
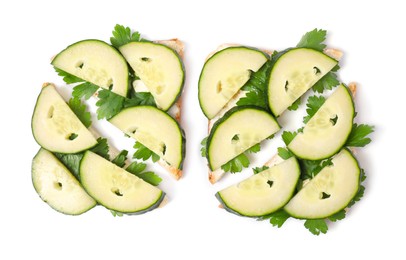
370	33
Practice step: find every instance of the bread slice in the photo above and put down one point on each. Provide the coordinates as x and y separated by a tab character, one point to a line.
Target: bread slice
217	174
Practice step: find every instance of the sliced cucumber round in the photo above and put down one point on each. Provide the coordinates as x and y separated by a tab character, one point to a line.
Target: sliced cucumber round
237	131
97	62
55	127
262	193
159	68
293	73
330	191
155	129
224	74
57	186
327	131
115	188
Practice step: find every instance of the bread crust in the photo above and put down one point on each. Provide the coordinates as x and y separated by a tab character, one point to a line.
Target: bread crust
176	110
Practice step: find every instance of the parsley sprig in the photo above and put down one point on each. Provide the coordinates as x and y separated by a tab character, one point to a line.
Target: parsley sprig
137	168
80	111
123	35
359	135
109	103
256	88
241	161
144	153
257	170
72	161
313	105
313	40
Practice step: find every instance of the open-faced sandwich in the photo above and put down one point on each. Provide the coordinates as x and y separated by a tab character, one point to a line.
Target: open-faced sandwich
138	85
244	92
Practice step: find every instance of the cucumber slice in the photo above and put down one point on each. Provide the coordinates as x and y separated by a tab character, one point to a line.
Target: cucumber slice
224	74
330	191
159	68
55	127
97	62
155	129
239	129
293	73
115	188
57	186
327	131
262	193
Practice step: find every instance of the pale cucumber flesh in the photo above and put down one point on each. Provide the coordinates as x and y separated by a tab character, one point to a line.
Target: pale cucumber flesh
57	186
115	188
327	131
155	129
224	74
262	193
330	191
293	73
55	127
159	68
236	132
97	62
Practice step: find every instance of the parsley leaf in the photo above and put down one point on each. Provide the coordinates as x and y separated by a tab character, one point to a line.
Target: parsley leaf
203	148
101	148
313	105
309	169
123	35
109	103
257	170
288	136
80	111
144	153
284	153
140	99
258	78
295	105
116	213
236	164
150	177
72	161
254	149
271	137
276	218
85	90
313	40
328	81
120	158
358	136
256	87
337	216
138	168
254	98
361	190
67	77
316	226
